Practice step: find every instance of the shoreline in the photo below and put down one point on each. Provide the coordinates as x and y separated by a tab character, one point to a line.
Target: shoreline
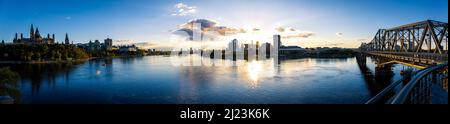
91	58
58	61
44	62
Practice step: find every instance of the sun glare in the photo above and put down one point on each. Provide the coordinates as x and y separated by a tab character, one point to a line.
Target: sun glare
254	70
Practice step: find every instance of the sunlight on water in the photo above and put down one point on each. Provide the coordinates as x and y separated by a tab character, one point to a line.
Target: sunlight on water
254	68
195	79
98	72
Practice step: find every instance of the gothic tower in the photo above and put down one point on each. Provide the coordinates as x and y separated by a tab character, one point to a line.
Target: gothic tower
67	39
37	36
15	39
31	33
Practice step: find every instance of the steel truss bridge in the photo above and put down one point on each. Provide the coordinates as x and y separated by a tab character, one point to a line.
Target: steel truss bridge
423	45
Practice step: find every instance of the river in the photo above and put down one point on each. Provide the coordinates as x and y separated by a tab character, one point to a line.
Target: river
161	80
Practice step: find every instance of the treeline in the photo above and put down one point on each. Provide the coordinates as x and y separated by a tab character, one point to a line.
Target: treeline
41	52
103	53
116	53
319	53
336	53
9	84
156	53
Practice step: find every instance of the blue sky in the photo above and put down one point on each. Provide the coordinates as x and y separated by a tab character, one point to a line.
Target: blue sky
343	23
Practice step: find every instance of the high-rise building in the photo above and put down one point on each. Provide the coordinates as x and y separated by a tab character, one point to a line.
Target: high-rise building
276	45
96	45
233	45
257	48
108	44
277	41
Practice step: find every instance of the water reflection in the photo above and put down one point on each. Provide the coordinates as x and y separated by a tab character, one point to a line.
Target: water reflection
156	80
38	74
254	68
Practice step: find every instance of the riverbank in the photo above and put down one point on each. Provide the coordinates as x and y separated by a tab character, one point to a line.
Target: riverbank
299	56
44	62
61	61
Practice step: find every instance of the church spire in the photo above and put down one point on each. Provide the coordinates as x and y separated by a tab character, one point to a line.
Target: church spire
37	34
32	32
67	39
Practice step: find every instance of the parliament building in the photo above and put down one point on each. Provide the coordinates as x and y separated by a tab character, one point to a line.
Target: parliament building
35	38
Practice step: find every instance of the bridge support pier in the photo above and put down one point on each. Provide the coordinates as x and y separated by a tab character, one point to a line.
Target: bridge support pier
384	70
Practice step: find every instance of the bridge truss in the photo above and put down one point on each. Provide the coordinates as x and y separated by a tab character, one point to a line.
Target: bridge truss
423	45
424	42
421	37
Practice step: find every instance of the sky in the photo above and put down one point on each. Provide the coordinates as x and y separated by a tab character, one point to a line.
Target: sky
306	23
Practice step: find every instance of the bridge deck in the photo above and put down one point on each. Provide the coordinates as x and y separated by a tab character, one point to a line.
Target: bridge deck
414	58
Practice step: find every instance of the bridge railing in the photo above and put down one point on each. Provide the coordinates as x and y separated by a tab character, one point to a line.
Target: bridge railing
419	89
387	93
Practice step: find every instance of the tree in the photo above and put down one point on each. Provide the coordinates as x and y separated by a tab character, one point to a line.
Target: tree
29	55
58	55
28	52
8	84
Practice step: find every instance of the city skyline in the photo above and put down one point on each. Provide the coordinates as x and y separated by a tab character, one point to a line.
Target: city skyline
303	23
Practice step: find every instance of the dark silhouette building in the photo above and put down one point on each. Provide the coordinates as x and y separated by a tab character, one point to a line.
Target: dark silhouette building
35	38
108	44
66	40
96	45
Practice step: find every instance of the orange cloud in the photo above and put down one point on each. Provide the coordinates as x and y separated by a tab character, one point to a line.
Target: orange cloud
300	35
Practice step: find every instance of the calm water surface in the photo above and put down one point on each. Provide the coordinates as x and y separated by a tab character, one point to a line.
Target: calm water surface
157	79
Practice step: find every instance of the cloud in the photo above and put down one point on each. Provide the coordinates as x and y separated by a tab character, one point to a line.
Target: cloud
291	32
204	23
184	10
300	35
256	29
291	29
333	44
122	42
279	29
361	40
140	45
283	29
339	34
146	45
209	29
